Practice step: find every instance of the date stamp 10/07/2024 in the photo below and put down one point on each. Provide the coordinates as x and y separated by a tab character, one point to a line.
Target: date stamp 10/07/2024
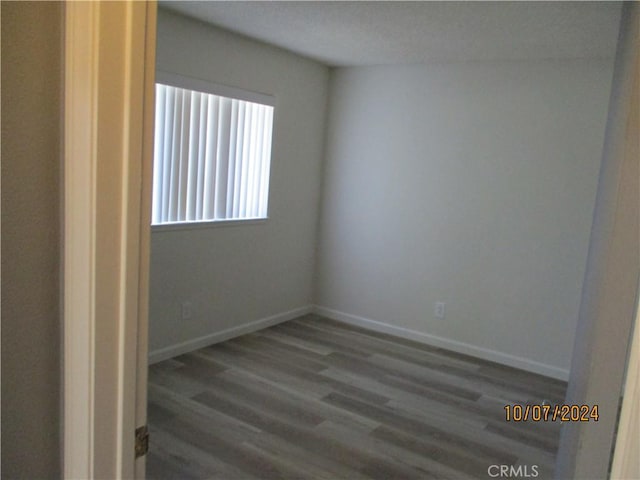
551	413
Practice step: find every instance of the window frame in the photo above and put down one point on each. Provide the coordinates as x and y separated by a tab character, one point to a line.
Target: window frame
205	86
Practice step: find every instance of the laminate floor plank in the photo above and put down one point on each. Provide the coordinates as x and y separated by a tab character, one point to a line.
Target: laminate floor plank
372	333
203	430
228	451
258	350
205	416
447	416
471	430
253	345
334	449
312	467
394	388
275	402
293	341
267	343
174	380
391	349
430	405
284	376
302	372
163	466
428	465
473	390
490	371
377	371
404	421
465	463
312	403
192	411
334	344
315	398
185	461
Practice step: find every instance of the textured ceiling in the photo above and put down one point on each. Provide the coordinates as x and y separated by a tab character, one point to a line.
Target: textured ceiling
373	33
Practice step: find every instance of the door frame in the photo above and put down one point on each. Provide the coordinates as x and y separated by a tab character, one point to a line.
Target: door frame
108	120
626	462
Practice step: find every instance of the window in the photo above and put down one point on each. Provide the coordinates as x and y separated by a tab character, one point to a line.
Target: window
212	152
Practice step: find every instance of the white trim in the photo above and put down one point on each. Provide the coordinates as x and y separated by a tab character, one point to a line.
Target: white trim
453	345
80	161
199	85
226	334
145	220
205	224
626	461
104	114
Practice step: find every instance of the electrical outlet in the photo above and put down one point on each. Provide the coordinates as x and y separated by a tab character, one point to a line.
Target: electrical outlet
186	310
439	310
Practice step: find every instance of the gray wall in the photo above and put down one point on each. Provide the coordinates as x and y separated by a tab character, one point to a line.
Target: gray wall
472	184
31	136
233	275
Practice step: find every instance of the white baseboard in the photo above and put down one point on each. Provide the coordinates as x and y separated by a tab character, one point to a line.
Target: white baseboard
453	345
200	342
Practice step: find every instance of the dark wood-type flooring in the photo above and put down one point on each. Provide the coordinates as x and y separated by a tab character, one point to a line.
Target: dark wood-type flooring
318	399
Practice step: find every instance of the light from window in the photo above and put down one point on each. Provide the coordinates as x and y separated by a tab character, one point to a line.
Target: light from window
212	157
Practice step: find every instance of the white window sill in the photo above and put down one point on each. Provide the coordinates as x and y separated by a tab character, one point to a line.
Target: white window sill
168	227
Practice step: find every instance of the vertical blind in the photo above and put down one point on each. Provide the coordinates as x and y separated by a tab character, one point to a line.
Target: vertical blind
212	157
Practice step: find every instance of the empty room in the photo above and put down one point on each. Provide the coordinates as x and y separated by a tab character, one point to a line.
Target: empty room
372	237
320	240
